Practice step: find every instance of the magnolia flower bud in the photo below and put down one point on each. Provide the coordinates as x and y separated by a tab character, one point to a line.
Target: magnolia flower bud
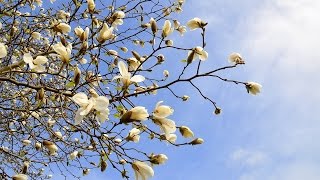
169	42
20	177
160	58
73	155
62	28
154	27
196	23
103	166
38	146
166	73
158	159
123	161
217	111
85	172
166	30
26	142
253	88
40	94
91	5
124	49
186	132
196	141
236	58
36	35
25	167
50	146
77	74
185	98
136	55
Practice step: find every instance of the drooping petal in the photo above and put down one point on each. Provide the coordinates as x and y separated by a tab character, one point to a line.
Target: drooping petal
204	55
162	111
168	126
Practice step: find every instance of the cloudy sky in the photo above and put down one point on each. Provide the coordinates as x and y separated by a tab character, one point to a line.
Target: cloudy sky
273	135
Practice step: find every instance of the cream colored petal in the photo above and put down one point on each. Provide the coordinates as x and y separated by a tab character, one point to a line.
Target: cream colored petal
137	78
101	103
78	118
88	108
203	56
123	69
27	58
3	50
40	60
81	99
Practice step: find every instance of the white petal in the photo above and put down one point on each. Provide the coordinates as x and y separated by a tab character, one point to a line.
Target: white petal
101	103
27	58
78	118
3	50
123	69
81	99
137	78
40	60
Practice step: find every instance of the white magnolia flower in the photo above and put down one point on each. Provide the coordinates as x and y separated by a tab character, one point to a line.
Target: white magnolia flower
105	33
63	52
171	138
113	53
166	30
99	103
133	135
3	50
142	170
182	30
125	76
26	142
166	73
162	111
36	35
83	61
196	23
82	34
133	64
198	52
74	155
58	134
186	132
236	58
118	18
63	28
158	159
253	88
91	5
20	177
197	141
168	126
51	147
138	113
35	64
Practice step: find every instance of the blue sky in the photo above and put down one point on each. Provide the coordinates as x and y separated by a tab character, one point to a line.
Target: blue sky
271	136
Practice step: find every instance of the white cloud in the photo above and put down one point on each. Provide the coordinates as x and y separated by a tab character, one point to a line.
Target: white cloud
248	157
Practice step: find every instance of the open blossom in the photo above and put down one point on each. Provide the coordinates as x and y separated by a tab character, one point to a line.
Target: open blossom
35	64
133	64
51	147
36	35
160	113
3	50
186	132
138	113
198	52
166	30
125	76
99	103
236	58
20	177
253	88
133	135
105	33
63	52
73	155
142	170
82	34
196	23
158	159
117	18
63	28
